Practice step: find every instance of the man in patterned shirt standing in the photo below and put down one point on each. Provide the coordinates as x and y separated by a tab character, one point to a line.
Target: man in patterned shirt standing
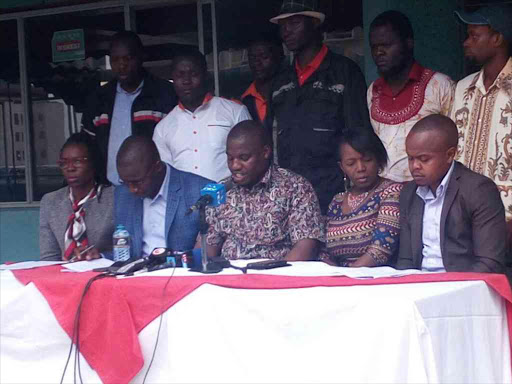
482	107
270	213
405	93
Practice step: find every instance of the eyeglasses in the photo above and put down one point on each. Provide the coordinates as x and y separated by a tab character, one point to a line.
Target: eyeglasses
76	162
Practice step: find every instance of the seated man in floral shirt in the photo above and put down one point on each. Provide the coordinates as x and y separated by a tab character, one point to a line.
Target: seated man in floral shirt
270	213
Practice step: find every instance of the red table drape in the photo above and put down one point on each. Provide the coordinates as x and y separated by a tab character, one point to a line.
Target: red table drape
114	311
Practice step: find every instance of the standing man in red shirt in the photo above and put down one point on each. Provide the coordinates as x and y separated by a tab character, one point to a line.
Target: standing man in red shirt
320	96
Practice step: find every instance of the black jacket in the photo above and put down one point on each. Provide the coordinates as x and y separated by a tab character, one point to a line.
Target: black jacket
308	118
156	99
250	102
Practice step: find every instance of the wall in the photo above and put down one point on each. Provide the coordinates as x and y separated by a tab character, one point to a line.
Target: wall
19	234
438	35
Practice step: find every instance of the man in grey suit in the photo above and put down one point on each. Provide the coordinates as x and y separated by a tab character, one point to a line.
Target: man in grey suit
153	198
452	219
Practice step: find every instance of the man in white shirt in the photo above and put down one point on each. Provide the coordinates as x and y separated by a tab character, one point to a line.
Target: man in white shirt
451	218
193	136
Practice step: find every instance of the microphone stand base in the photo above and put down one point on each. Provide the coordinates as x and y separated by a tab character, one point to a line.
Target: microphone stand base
211	267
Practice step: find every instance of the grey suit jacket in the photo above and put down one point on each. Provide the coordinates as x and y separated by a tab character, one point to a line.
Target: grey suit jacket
53	219
473	232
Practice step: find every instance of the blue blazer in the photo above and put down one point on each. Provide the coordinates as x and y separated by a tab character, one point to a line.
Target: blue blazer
181	230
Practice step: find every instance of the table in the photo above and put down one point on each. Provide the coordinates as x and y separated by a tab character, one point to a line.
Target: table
443	331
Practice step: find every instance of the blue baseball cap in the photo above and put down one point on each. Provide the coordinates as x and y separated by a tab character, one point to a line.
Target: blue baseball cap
498	17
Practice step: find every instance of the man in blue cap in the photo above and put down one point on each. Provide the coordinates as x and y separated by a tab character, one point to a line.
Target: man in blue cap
482	107
320	96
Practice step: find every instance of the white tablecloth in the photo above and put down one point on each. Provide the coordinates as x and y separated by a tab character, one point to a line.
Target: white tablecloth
452	332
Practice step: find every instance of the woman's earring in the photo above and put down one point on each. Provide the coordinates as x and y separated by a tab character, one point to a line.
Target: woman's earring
346	182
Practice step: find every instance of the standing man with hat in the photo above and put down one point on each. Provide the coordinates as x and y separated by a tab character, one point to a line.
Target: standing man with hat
321	95
482	107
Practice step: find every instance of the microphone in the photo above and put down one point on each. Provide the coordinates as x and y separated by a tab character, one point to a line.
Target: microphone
212	194
156	257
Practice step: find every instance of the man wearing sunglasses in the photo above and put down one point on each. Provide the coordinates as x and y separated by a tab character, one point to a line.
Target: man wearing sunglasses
153	197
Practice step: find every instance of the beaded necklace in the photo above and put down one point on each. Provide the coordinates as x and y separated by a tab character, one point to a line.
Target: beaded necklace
354	201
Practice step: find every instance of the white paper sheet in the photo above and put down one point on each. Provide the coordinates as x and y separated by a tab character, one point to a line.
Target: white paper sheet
29	265
86	266
297	268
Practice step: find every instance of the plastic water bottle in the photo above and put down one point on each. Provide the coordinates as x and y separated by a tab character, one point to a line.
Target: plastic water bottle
121	241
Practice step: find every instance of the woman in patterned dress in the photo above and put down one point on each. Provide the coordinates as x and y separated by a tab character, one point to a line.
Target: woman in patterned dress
363	225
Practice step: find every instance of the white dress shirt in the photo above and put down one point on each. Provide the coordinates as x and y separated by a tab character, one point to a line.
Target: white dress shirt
196	141
431	237
153	219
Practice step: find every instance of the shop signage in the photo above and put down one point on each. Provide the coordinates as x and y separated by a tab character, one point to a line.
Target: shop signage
68	45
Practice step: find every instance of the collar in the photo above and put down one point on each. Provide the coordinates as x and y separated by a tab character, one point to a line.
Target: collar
164	188
426	194
502	80
313	65
267	177
206	100
120	89
252	91
265	181
414	76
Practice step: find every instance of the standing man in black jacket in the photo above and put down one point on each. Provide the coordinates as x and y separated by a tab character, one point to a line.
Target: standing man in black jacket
265	55
321	95
133	103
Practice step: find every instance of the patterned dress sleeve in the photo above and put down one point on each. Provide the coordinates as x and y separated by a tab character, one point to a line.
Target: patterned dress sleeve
333	211
386	234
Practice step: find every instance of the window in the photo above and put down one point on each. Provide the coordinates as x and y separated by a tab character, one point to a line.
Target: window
55	104
45	98
12	173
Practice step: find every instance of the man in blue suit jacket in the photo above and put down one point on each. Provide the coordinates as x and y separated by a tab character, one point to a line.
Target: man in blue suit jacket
153	198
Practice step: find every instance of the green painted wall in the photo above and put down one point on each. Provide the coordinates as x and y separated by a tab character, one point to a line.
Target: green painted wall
437	34
19	234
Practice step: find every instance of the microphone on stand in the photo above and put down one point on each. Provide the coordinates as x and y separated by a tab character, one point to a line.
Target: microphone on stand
213	194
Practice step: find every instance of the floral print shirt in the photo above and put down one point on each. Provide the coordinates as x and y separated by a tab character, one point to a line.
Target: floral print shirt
484	121
266	220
